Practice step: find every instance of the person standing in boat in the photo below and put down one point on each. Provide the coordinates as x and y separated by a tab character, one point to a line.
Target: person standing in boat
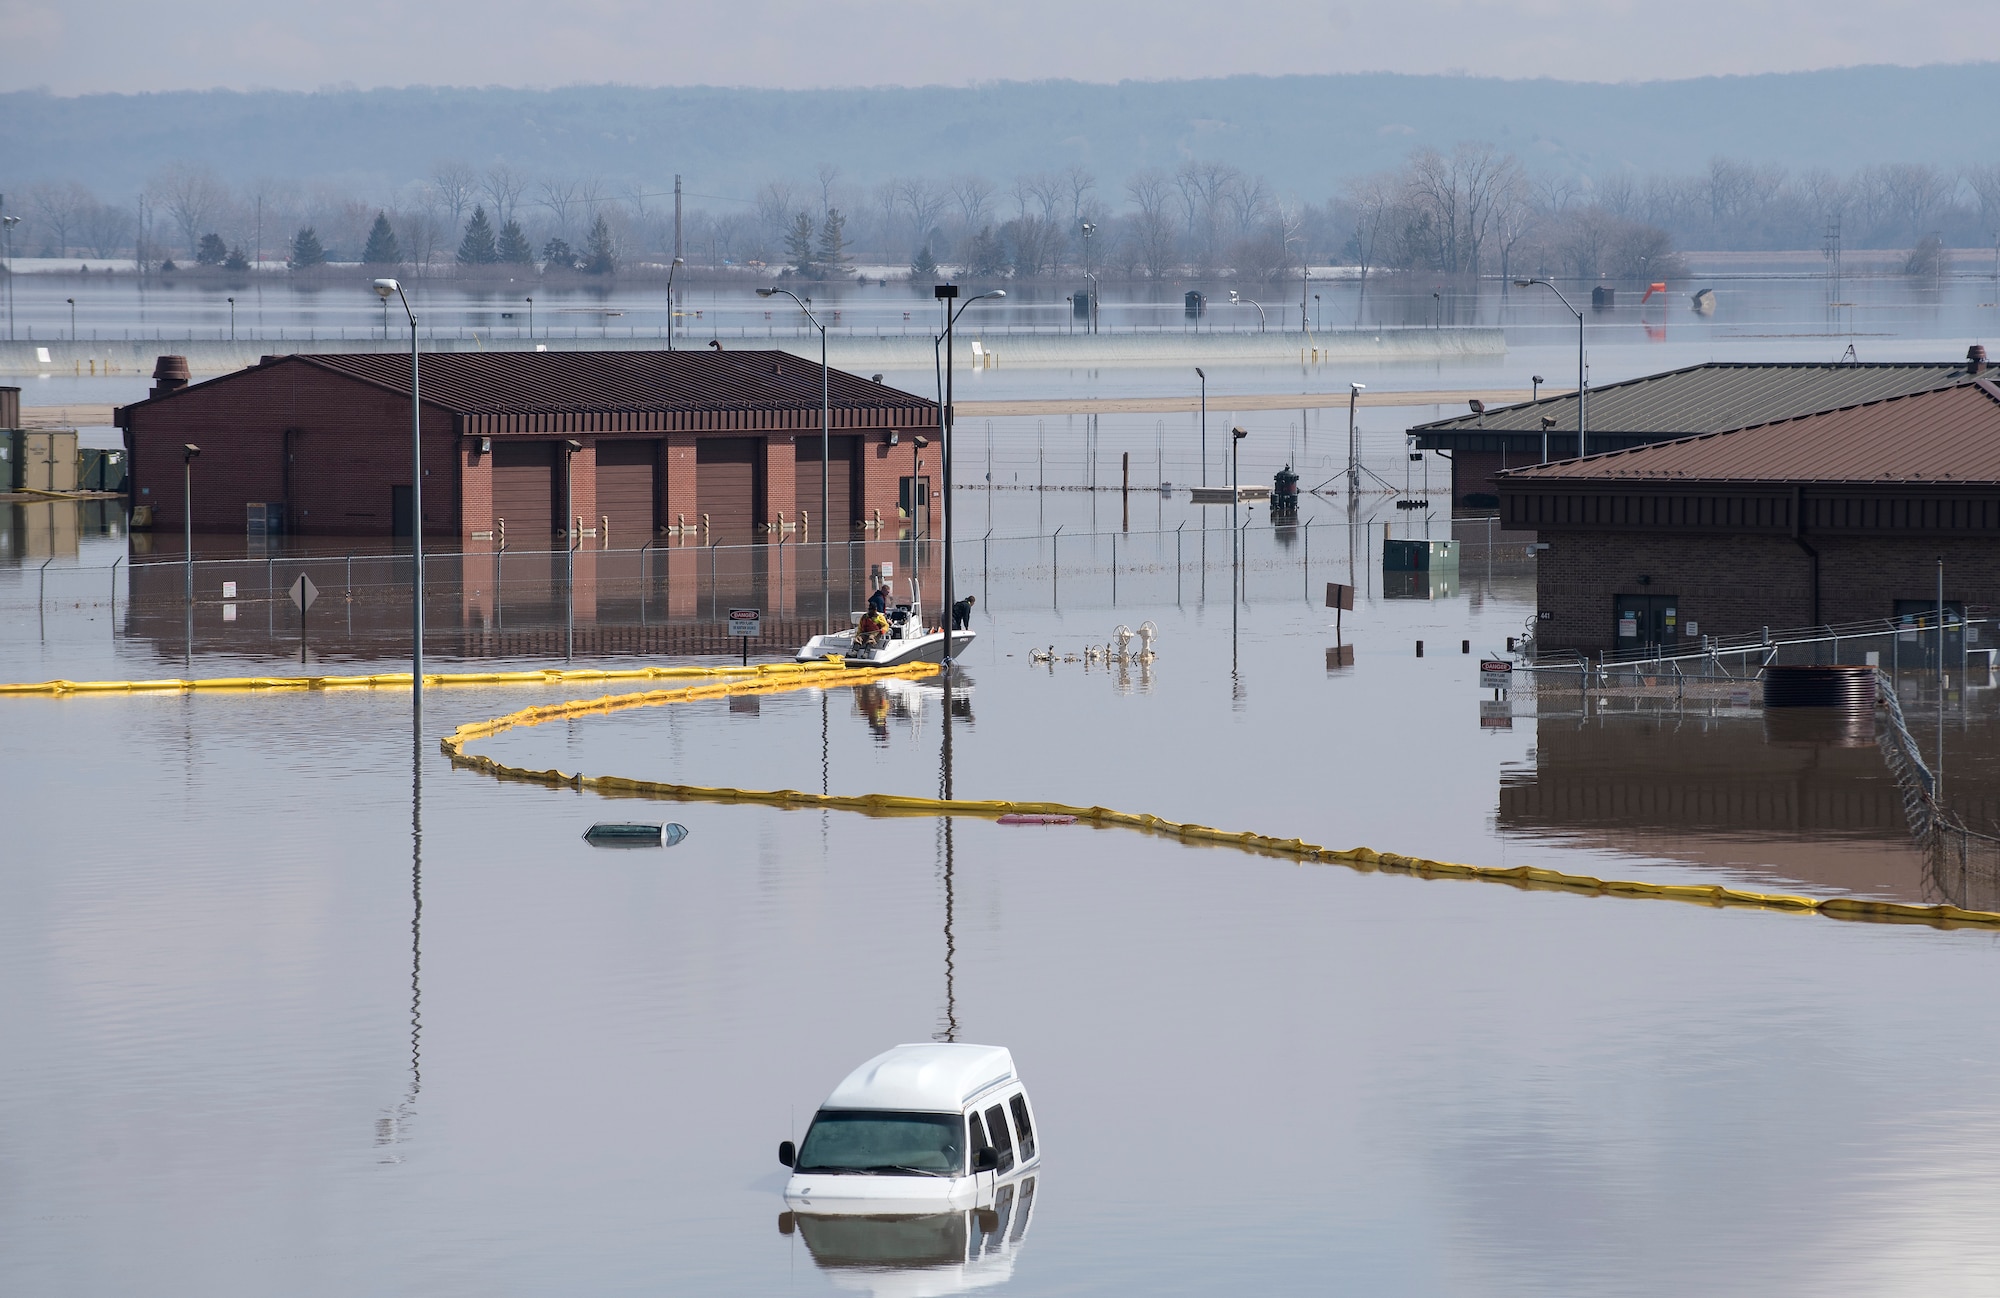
961	613
879	601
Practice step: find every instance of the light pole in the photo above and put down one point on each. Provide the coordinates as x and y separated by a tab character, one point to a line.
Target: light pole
825	452
531	319
383	288
188	452
7	224
1237	299
232	319
570	532
671	312
1354	391
945	293
1582	397
1236	436
1091	320
1319	322
72	317
1204	424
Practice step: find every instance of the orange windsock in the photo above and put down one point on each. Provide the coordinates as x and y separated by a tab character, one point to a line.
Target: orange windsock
1656	287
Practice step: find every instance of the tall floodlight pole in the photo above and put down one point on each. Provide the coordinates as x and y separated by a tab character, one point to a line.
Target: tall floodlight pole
1354	391
383	288
1581	396
1204	423
188	452
945	293
825	451
671	313
7	224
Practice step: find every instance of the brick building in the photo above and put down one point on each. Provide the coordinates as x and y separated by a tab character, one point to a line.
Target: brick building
1829	518
631	445
1664	407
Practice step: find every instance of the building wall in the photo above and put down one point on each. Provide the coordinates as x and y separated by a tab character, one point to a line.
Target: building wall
1736	585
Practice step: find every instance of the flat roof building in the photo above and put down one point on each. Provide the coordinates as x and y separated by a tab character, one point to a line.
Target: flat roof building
723	443
1830	518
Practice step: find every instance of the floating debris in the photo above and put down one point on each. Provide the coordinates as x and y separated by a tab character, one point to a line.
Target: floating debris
631	834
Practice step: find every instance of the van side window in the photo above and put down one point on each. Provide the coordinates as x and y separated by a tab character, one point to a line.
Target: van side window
978	1141
996	1123
1022	1126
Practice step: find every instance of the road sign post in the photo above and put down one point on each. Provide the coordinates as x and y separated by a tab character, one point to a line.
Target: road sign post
745	623
303	593
1340	599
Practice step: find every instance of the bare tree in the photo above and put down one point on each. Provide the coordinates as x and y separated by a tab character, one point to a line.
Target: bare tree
1152	231
60	207
1914	191
560	197
973	193
1984	182
503	187
924	201
455	184
1374	201
1080	183
776	201
827	175
192	196
105	229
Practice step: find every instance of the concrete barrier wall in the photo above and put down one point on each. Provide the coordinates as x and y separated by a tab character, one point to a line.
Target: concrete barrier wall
208	357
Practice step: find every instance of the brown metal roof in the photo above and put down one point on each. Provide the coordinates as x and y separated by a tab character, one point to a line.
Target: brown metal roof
1708	398
1947	436
479	383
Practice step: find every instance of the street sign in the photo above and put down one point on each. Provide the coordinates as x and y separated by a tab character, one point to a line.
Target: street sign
1339	596
744	621
303	592
1495	673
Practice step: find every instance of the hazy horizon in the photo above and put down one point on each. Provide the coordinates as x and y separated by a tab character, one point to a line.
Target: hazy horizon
82	47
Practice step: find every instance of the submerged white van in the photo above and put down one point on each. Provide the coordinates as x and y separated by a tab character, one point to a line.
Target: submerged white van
918	1129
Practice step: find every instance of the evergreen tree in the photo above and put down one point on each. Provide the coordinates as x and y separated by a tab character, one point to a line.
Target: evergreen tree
799	245
477	248
515	249
923	266
986	254
832	244
599	256
236	260
382	249
306	250
211	252
558	255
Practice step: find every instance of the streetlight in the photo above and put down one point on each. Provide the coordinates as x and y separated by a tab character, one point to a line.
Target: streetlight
677	264
1092	319
1204	424
1354	391
72	317
232	319
1581	396
1318	321
1237	299
825	452
188	452
7	224
531	319
383	288
570	534
1236	436
945	293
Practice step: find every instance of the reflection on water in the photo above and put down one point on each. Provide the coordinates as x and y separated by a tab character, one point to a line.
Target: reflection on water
917	1257
1802	797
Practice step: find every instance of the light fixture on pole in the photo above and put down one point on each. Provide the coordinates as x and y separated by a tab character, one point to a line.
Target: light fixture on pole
1354	391
1236	436
383	289
7	224
678	262
1238	299
531	319
1582	423
188	452
1204	424
946	293
825	450
232	318
72	317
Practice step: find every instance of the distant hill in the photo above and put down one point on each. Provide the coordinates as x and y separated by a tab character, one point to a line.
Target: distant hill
1303	133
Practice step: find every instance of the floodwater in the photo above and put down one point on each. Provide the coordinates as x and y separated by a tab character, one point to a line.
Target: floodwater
292	1006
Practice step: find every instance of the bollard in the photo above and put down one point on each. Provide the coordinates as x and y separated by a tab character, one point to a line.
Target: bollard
1465	646
1420	648
1510	644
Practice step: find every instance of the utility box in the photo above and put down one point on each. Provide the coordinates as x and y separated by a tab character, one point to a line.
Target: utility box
1419	556
1079	305
1603	298
10	408
99	469
264	518
40	461
1194	304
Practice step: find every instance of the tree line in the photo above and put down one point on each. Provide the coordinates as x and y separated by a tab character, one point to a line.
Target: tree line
1469	211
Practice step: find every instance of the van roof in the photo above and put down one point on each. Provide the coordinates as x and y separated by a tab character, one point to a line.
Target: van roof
930	1075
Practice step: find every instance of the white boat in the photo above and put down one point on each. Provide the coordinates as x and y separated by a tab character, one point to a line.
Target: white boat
909	639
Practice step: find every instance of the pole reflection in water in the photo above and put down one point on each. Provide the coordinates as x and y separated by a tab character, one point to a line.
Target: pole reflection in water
394	1128
949	1032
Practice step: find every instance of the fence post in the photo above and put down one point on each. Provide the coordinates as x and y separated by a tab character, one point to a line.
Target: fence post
114	587
1055	568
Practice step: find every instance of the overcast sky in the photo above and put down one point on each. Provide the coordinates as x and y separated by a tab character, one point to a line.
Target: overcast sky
76	46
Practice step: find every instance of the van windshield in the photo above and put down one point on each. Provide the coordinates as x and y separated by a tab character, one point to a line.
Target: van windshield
883	1142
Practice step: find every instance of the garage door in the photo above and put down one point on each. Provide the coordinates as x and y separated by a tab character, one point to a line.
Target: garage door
726	482
523	491
625	493
839	487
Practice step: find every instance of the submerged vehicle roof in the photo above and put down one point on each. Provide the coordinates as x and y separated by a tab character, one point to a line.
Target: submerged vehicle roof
929	1075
